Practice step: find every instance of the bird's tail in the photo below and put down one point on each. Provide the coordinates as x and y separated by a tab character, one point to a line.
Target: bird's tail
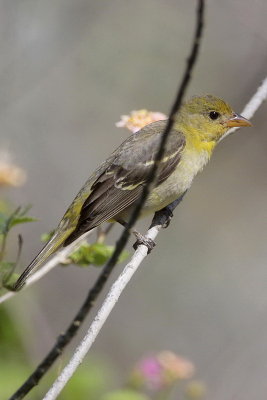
51	246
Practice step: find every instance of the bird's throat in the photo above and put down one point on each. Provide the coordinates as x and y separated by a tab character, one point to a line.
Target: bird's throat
198	145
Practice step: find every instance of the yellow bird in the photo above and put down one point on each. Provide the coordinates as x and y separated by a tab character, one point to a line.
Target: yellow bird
113	189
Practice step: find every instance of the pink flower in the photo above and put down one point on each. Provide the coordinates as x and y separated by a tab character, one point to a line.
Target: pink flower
10	174
151	372
161	371
140	118
176	367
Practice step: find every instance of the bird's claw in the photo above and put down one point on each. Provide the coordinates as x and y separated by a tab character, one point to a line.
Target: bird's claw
169	215
141	239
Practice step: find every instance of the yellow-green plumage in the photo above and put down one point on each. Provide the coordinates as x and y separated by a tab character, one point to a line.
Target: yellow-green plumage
112	190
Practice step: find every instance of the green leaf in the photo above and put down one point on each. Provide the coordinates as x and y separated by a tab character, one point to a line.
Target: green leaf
93	254
21	220
17	217
47	236
99	253
11	280
7	277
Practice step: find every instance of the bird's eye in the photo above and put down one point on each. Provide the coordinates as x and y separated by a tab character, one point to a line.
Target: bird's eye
214	115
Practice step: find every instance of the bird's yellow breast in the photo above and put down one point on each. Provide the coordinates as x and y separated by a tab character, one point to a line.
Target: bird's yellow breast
194	157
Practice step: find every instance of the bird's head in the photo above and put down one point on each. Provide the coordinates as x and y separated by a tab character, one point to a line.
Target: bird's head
208	118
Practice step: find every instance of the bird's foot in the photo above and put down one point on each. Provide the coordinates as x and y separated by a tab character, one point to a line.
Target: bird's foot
169	214
162	217
141	239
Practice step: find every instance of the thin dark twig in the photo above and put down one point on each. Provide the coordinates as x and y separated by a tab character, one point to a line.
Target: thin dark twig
65	338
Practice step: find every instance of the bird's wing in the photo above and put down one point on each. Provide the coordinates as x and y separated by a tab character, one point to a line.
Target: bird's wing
113	187
120	184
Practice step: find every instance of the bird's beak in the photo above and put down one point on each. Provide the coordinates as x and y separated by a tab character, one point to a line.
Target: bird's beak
237	121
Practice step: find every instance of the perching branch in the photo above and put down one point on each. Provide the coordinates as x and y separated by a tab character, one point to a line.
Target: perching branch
65	338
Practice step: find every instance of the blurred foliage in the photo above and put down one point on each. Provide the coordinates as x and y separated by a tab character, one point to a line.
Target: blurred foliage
155	377
96	254
152	378
13	363
95	378
91	381
10	338
7	222
19	216
124	395
195	390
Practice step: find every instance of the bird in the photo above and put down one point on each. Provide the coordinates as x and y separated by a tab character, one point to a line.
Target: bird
111	192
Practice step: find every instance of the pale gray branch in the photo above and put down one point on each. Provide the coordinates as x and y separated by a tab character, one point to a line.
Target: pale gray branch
101	316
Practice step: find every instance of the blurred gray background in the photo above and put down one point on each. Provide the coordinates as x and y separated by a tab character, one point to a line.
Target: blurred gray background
68	70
